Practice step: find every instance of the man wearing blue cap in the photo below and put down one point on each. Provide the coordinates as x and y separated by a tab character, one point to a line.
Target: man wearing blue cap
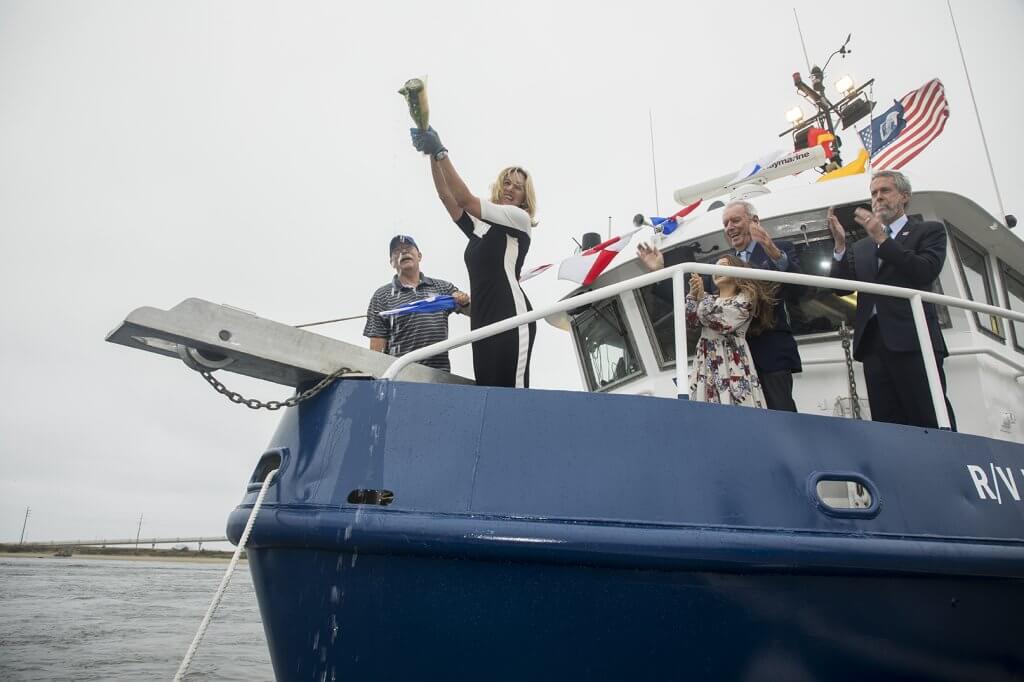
400	334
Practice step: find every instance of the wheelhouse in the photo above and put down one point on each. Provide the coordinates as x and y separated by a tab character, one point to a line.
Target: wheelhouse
626	344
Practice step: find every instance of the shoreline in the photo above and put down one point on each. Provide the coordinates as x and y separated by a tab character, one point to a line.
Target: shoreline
107	553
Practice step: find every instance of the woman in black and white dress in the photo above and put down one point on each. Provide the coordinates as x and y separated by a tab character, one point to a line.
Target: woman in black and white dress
498	230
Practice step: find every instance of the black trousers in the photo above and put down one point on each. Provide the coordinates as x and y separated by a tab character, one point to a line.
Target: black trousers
778	390
897	383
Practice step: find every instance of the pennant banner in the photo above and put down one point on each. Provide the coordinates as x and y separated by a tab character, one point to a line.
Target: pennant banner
815	137
588	266
534	271
853	168
668	225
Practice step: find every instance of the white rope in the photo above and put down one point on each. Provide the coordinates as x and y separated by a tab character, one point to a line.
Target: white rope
187	661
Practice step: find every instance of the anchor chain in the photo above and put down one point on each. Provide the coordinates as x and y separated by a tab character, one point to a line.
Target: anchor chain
254	404
845	333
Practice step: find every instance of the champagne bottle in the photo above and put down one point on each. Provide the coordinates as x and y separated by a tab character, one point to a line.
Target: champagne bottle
415	93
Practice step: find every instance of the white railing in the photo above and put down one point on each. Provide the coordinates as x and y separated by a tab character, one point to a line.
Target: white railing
678	275
953	352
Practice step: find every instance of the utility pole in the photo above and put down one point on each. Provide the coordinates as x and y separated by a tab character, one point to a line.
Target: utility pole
138	532
23	525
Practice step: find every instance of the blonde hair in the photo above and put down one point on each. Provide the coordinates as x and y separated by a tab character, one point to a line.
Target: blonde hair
529	202
762	295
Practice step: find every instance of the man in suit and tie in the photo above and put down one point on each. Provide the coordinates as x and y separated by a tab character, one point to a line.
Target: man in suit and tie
904	252
774	350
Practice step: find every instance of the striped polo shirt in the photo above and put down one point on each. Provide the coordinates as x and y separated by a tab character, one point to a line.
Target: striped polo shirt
406	333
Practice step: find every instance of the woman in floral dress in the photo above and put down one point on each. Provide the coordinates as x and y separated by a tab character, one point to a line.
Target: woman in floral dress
723	371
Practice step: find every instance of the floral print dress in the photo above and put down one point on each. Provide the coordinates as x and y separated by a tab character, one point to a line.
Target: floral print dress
723	371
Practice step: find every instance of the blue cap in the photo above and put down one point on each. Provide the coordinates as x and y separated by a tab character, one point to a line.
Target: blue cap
401	239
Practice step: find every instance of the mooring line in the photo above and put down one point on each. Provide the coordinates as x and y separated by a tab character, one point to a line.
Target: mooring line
191	653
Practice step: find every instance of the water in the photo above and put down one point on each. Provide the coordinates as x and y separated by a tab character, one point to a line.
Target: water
103	619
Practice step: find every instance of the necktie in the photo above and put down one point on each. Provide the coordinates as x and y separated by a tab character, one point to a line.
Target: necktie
745	256
888	231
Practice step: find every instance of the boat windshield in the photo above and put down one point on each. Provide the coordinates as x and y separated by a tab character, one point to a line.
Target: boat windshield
605	345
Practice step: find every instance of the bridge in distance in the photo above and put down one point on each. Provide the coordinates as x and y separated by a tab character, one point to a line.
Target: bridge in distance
152	542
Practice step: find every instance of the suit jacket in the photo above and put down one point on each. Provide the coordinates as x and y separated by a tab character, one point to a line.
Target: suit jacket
775	349
912	259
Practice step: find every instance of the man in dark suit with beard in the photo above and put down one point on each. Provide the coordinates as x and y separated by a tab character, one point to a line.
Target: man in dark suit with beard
903	252
774	350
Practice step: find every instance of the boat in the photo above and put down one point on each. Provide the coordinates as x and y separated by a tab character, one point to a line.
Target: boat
419	526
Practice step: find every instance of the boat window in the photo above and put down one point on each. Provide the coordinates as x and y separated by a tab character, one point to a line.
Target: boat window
974	268
605	344
1013	283
656	303
815	311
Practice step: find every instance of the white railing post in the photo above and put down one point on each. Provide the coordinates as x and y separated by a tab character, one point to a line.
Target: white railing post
931	367
679	313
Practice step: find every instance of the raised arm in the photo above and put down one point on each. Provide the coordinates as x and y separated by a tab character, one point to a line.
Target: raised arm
463	197
428	142
443	192
842	266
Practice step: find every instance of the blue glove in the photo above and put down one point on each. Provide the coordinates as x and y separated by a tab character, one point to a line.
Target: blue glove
426	141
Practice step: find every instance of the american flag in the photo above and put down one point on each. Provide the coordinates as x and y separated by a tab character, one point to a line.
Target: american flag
925	111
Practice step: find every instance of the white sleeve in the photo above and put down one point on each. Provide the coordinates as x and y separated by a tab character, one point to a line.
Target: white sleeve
511	217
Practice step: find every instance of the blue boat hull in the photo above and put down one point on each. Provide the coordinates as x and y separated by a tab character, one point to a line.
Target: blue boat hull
542	535
414	617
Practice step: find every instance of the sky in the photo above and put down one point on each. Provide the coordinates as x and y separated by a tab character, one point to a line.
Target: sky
256	154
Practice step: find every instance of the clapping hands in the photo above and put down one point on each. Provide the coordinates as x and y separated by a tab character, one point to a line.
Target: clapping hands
871	224
838	233
696	286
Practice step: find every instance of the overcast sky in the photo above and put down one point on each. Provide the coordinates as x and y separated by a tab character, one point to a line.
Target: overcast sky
257	154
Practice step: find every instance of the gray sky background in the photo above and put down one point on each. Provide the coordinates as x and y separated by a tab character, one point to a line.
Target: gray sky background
257	154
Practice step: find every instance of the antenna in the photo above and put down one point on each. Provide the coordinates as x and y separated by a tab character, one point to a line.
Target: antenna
807	59
977	114
654	167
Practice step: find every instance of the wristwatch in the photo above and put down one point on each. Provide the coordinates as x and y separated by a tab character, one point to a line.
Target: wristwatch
441	155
